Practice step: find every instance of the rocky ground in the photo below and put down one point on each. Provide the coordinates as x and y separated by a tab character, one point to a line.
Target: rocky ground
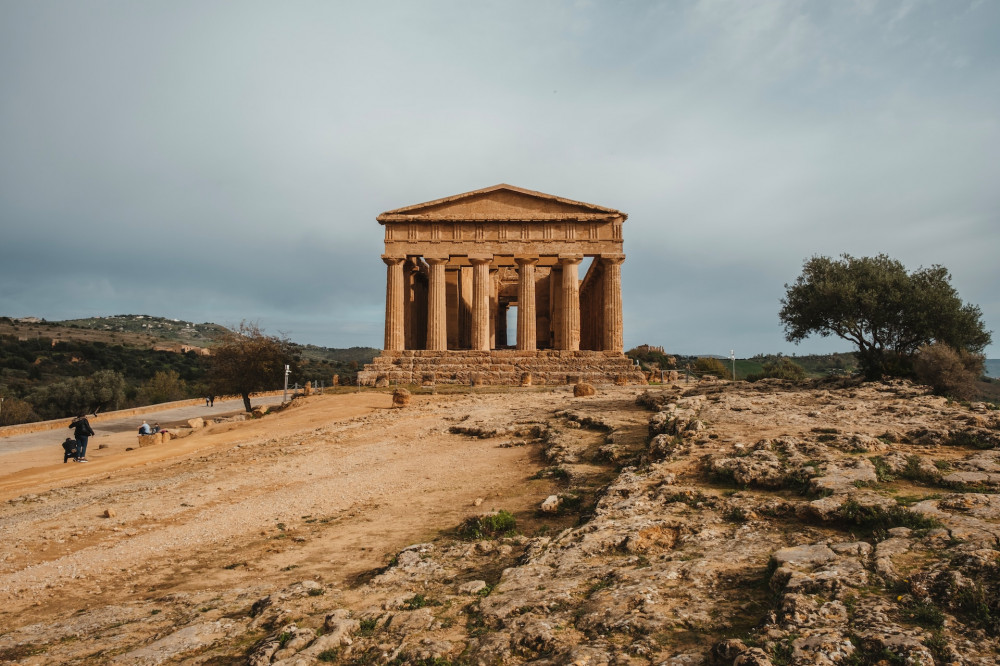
820	523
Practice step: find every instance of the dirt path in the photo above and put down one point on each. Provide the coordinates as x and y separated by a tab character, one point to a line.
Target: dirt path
323	490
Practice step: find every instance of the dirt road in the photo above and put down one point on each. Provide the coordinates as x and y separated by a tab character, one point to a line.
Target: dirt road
325	489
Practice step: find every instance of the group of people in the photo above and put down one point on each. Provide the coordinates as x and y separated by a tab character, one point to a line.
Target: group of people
76	446
146	429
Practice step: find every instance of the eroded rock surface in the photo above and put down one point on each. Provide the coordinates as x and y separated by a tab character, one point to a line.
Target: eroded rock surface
773	523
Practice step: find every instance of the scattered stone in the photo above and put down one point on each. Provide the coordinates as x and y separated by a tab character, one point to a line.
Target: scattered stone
582	390
400	398
196	423
110	512
472	587
552	504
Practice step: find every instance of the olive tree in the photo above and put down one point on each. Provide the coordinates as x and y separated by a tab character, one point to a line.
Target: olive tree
885	311
247	362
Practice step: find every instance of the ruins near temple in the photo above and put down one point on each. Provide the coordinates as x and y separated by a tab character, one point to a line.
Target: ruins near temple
456	266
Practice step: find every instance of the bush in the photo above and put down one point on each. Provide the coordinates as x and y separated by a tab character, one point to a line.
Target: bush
711	366
779	368
948	371
14	411
490	526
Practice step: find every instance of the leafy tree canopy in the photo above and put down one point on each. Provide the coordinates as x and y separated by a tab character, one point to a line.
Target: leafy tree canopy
885	311
247	361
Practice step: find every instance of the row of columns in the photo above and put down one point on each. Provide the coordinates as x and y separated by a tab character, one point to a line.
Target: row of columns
567	303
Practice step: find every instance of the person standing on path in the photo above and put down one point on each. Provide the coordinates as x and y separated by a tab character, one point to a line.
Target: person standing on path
82	431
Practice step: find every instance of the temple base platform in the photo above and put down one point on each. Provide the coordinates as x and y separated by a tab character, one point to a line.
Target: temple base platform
500	367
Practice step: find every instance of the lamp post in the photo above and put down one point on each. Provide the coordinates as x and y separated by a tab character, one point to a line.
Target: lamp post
732	357
284	397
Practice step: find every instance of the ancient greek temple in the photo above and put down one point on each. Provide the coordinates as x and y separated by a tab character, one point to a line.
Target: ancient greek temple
455	267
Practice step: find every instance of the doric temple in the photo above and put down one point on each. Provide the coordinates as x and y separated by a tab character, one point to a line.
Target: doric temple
456	266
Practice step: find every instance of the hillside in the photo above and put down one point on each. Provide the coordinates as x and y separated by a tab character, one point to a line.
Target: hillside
48	369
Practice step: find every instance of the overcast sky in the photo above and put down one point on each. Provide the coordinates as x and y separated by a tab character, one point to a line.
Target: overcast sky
215	161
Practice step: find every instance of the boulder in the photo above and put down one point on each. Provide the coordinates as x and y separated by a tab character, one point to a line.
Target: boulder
582	390
551	504
400	398
382	382
194	424
525	379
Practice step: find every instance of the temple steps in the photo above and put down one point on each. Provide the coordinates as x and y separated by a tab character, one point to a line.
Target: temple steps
500	367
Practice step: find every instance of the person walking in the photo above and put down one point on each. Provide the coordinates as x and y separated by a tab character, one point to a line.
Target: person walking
82	432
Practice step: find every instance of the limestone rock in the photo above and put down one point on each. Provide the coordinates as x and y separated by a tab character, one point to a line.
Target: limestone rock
110	512
583	389
551	504
196	423
400	398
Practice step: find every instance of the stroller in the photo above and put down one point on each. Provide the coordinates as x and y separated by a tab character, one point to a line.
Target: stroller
69	449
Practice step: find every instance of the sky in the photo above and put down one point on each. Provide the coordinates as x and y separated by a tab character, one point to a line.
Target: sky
219	161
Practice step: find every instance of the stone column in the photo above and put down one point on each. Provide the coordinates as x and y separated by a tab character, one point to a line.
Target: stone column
393	303
612	283
570	302
480	303
526	335
437	305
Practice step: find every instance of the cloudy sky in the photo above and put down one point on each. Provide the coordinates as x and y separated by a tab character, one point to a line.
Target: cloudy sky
215	161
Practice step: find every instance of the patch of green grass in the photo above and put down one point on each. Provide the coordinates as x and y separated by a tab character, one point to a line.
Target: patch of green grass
489	526
979	606
735	514
316	592
690	498
879	518
604	583
925	614
368	626
882	470
419	601
235	565
969	440
557	473
329	656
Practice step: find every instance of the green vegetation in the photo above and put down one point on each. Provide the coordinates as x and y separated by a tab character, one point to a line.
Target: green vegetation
886	312
489	526
50	370
651	358
951	372
708	365
878	518
779	368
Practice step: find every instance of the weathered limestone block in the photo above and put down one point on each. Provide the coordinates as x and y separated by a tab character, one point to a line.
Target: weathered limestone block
582	390
196	423
150	440
400	398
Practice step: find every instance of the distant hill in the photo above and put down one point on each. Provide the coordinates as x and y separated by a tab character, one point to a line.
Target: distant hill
45	366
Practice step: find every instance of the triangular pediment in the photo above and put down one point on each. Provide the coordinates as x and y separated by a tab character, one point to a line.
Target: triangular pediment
500	202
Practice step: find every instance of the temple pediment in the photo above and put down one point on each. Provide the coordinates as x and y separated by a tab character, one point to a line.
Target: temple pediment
500	203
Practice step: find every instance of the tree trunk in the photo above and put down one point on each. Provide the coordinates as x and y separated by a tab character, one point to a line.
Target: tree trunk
246	402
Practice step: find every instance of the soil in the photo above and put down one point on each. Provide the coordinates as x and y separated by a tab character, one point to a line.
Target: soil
328	489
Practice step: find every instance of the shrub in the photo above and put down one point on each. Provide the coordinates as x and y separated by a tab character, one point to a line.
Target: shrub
948	371
489	526
779	368
711	366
